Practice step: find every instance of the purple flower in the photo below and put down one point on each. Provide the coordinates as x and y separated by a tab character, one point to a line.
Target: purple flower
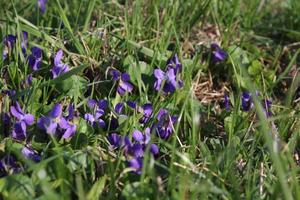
115	140
124	82
42	5
54	122
50	122
247	103
9	163
10	93
168	80
119	108
174	63
30	154
6	119
19	131
165	125
18	113
35	58
227	102
69	129
98	110
141	138
59	68
8	43
131	104
136	164
24	42
147	112
154	149
218	54
29	79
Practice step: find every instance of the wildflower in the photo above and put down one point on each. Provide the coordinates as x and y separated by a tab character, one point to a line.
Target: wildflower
10	93
42	5
154	149
29	79
50	122
19	131
247	103
218	54
98	111
67	125
124	82
164	127
227	102
35	58
24	42
115	140
174	63
131	104
8	163
59	68
136	164
8	43
18	113
30	154
147	112
119	108
167	79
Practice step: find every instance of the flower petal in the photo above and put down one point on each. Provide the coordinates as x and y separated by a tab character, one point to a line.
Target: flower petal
56	111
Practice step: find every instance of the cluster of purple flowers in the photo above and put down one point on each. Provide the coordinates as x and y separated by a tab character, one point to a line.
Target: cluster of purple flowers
63	124
134	150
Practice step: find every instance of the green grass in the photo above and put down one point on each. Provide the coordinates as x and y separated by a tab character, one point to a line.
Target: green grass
211	154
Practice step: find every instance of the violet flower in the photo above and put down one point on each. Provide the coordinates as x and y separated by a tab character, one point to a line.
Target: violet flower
115	140
119	108
59	68
23	120
174	63
35	58
218	54
226	102
8	44
19	131
18	113
167	80
98	110
136	164
30	154
147	112
24	42
131	104
124	82
165	125
69	128
247	103
42	5
50	122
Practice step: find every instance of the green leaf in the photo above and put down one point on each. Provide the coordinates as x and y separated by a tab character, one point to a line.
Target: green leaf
97	189
255	68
